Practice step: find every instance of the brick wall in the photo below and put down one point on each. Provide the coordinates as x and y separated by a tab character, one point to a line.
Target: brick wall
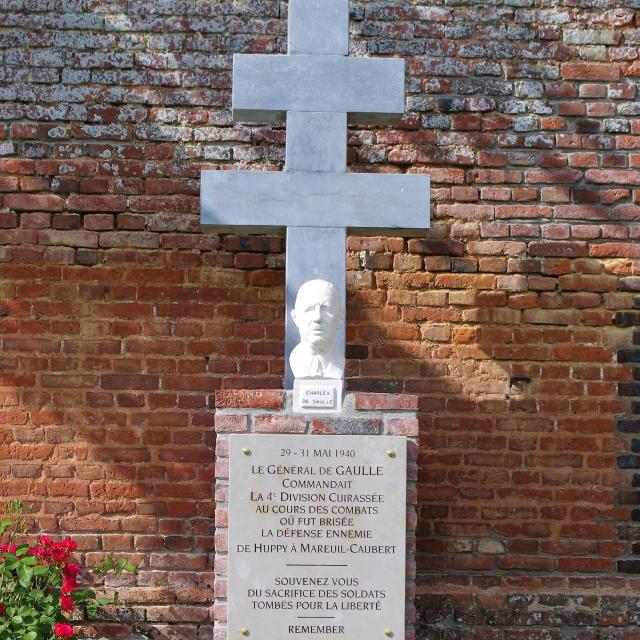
513	318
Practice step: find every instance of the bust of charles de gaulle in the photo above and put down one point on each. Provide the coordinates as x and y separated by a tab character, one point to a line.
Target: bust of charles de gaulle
318	315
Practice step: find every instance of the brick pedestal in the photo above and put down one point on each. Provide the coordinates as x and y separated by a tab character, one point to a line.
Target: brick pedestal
270	411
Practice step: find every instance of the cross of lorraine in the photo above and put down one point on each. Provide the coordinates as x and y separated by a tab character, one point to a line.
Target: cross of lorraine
317	89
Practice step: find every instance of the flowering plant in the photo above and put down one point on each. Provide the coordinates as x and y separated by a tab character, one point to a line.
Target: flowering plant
39	585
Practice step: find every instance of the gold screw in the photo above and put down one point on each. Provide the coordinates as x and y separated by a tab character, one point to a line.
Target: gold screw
388	632
244	631
246	452
391	454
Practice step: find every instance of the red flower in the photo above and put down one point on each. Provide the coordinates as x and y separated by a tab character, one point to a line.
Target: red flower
63	630
69	573
70	544
68	585
67	603
2	609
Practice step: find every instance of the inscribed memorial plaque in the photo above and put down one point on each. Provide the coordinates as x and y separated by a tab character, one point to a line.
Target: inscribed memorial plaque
317	529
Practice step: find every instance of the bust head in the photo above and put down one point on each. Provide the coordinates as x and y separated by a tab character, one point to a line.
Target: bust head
317	314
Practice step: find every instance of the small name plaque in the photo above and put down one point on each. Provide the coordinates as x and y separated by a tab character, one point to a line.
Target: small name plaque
317	530
320	396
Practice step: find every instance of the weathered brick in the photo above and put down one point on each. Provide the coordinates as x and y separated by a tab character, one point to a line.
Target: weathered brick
613	176
111	203
87	239
437	247
279	424
402	427
373	401
255	399
558	249
231	423
590	71
98	222
129	381
33	202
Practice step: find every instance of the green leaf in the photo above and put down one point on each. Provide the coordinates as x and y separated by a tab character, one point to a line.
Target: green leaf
4	525
79	595
25	575
29	560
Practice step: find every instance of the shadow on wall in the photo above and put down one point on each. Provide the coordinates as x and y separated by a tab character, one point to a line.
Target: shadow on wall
518	381
110	370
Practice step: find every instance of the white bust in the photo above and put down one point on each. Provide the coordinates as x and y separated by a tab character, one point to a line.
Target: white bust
318	314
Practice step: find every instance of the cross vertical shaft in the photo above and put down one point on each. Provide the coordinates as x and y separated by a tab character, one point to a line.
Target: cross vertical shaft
316	141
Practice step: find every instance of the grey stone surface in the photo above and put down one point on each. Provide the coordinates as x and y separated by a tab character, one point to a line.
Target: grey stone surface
257	201
319	26
265	87
316	141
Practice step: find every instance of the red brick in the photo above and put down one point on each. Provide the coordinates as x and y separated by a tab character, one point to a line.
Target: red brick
273	423
8	183
66	221
558	249
129	381
186	455
571	109
554	176
130	222
385	401
527	563
33	202
231	423
615	250
98	222
402	427
36	220
111	203
581	212
121	454
87	239
590	71
626	212
17	166
250	399
585	565
30	183
613	176
582	353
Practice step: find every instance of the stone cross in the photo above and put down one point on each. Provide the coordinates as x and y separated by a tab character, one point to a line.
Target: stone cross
316	89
